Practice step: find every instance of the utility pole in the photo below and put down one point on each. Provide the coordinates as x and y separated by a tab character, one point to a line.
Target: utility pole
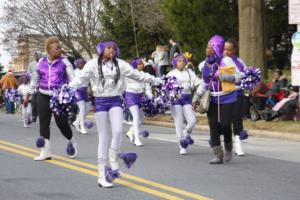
134	30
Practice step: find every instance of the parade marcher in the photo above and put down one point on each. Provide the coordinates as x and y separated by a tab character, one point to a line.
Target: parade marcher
182	108
52	72
106	75
31	68
222	101
23	89
9	81
134	92
81	98
231	59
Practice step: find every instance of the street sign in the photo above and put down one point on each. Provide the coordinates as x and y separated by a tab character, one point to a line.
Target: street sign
294	11
295	67
296	40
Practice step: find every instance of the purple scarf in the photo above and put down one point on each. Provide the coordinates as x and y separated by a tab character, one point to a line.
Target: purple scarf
240	66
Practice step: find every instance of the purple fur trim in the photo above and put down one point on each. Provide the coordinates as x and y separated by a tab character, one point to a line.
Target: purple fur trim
128	158
189	140
70	149
184	143
111	175
89	124
40	142
217	43
102	45
144	133
79	61
135	62
243	135
175	60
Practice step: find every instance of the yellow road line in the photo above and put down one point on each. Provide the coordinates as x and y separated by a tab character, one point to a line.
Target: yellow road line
128	176
93	173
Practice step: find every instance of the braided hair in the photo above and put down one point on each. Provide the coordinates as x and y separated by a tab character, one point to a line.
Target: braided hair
100	71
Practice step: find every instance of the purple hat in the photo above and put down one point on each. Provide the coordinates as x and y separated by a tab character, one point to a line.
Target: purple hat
79	61
102	45
26	76
135	62
217	43
174	61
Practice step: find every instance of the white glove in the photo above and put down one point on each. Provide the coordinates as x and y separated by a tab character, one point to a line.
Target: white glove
157	81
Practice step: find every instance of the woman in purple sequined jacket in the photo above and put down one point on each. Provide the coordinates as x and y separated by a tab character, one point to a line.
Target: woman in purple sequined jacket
52	72
221	105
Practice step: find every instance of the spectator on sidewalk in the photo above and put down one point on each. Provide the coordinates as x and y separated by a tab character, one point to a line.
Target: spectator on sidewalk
161	60
9	81
175	49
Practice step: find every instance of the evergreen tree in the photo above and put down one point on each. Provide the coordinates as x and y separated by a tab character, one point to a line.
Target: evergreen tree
194	22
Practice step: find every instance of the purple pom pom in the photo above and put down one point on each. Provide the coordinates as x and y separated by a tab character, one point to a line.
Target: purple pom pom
189	140
184	143
111	175
12	95
89	124
251	78
63	100
128	158
40	142
144	133
70	149
243	135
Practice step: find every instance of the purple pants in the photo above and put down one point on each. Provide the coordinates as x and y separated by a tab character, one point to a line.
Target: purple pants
106	103
133	99
184	100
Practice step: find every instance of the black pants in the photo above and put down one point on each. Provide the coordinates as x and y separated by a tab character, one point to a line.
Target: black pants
237	120
45	114
259	102
34	105
224	126
289	107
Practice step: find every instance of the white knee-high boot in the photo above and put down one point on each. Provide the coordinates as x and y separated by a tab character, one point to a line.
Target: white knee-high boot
113	159
82	127
177	114
102	182
136	124
45	153
238	146
130	134
76	123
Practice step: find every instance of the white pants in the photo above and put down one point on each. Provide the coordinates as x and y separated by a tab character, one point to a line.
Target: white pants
138	118
84	108
179	112
26	111
115	117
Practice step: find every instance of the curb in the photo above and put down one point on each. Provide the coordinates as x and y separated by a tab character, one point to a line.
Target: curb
255	133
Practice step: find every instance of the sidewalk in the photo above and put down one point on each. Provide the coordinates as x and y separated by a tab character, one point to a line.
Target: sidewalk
251	132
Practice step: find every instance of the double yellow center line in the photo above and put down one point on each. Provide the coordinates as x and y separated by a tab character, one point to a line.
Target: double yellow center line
141	184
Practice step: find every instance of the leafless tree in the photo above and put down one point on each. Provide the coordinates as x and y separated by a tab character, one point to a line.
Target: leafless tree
75	22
